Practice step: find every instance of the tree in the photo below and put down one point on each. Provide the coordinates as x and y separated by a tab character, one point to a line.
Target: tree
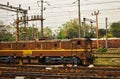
101	32
61	34
31	33
10	29
34	33
6	35
70	30
115	29
47	32
72	33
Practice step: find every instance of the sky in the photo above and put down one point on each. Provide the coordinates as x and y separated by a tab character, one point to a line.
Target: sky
58	12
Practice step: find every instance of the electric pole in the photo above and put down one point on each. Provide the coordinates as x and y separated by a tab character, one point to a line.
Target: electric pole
83	24
33	18
17	27
96	13
33	34
42	18
25	18
106	22
79	17
17	10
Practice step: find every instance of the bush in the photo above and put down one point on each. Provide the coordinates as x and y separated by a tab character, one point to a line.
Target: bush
102	50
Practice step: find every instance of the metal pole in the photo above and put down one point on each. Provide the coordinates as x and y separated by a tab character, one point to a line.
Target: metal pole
17	28
97	30
79	17
91	25
24	26
91	28
42	18
106	33
96	14
84	29
33	31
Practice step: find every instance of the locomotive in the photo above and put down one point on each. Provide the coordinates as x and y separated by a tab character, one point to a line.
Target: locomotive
76	51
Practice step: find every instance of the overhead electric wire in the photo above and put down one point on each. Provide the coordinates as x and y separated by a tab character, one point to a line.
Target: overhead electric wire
69	5
65	11
53	7
102	2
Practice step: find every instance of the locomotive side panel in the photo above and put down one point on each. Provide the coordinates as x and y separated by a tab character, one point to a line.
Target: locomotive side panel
38	45
30	45
51	45
66	44
5	46
11	53
17	46
80	44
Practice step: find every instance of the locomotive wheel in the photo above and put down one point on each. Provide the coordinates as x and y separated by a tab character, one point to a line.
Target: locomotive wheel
20	62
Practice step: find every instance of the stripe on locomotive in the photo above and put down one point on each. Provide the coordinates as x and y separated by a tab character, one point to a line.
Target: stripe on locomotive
29	52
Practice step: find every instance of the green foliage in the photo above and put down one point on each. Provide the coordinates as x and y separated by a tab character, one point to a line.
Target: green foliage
71	30
47	32
72	33
109	35
31	33
115	29
102	50
7	37
61	34
101	33
6	33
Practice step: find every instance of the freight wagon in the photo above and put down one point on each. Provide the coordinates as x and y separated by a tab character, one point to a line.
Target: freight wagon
112	43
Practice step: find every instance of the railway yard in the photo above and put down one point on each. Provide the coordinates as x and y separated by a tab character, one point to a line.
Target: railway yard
77	49
98	71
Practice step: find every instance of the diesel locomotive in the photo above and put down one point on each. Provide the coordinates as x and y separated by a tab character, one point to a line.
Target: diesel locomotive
76	51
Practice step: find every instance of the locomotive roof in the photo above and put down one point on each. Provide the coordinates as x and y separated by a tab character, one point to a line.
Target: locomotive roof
48	40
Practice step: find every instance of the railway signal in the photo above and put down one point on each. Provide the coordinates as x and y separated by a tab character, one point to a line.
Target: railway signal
84	22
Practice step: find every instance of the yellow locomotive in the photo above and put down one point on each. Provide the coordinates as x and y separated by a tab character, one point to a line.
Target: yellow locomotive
45	51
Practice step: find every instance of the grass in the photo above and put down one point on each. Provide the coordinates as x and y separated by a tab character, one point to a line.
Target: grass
107	61
111	61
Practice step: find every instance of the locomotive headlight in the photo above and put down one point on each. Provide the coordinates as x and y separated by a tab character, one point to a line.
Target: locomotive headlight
14	56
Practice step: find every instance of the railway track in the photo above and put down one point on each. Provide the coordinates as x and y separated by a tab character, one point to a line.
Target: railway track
107	54
107	58
61	72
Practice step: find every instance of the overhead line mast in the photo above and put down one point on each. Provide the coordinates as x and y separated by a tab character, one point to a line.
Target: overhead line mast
42	34
79	17
96	13
17	10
